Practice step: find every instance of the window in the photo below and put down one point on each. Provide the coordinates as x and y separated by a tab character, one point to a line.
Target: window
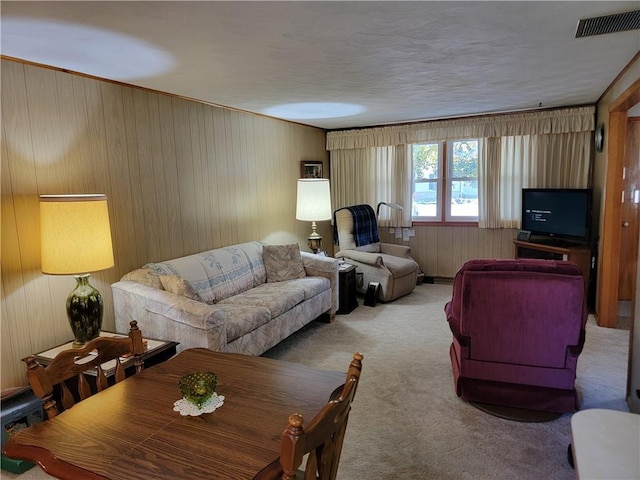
427	181
445	181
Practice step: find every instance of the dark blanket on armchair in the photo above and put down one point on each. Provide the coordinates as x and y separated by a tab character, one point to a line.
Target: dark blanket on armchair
365	225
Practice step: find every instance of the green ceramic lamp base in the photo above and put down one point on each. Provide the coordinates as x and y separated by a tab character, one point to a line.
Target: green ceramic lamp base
84	309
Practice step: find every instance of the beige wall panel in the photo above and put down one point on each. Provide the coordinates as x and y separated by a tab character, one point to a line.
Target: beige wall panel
170	195
444	245
13	296
508	235
486	237
120	197
418	246
49	144
431	250
134	215
223	186
185	176
242	180
97	180
474	244
180	177
20	227
442	250
210	169
460	248
250	164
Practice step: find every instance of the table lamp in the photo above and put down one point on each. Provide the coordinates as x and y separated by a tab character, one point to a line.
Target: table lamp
313	205
75	240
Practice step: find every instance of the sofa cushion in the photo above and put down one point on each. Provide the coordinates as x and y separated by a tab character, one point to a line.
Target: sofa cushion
283	262
312	286
179	286
242	319
277	297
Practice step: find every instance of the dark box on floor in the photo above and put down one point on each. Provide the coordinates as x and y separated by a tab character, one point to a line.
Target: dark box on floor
19	411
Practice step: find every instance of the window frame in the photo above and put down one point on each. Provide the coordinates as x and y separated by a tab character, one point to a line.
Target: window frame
437	181
444	183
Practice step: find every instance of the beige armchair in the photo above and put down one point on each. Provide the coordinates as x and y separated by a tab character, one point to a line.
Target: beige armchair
388	264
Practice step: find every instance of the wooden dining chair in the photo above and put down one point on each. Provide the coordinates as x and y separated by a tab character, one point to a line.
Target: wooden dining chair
75	361
322	438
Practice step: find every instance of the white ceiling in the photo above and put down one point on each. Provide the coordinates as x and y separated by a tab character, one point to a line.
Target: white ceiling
396	61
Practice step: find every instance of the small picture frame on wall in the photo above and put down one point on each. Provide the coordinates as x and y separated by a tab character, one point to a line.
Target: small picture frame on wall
310	169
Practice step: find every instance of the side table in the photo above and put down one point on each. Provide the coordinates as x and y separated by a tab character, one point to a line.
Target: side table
347	288
605	443
156	351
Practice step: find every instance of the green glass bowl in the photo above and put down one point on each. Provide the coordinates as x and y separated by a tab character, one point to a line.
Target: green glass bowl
198	387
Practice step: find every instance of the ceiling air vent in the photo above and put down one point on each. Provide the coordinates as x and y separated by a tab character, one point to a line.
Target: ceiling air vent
619	22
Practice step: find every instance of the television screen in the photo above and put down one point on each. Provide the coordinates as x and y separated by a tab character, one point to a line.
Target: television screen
562	213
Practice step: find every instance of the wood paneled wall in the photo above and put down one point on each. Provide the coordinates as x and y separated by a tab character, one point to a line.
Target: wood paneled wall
180	177
440	250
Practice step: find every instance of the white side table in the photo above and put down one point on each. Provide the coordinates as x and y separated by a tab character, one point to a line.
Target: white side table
606	444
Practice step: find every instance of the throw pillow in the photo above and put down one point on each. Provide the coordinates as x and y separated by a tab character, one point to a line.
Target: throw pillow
145	276
282	262
179	286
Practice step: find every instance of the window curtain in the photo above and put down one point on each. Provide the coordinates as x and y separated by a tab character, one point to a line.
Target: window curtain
509	164
370	176
550	148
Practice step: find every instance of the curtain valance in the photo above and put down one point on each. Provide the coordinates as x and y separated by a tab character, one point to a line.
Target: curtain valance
566	120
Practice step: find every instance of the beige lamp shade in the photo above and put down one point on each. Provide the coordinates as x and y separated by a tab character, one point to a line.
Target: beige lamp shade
75	234
314	199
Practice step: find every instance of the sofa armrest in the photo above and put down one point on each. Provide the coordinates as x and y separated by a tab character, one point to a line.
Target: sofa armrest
395	250
368	258
327	267
161	314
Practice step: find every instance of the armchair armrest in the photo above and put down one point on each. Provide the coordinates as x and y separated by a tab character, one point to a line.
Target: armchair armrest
454	324
368	258
403	251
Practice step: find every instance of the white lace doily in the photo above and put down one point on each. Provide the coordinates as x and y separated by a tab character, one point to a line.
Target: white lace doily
187	408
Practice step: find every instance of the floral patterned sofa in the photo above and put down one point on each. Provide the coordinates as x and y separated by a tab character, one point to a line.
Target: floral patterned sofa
243	298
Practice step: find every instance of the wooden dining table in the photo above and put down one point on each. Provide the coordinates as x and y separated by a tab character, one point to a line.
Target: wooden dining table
131	431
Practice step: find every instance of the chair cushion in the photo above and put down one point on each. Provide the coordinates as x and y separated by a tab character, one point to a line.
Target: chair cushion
282	262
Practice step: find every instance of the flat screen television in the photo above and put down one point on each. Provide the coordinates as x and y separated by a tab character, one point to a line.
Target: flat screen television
557	213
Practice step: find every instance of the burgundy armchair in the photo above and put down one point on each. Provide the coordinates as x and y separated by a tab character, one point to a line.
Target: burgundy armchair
518	328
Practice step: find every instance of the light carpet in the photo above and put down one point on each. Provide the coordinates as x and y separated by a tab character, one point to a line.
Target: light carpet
406	420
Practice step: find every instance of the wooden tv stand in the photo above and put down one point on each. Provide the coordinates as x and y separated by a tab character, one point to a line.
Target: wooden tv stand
578	254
